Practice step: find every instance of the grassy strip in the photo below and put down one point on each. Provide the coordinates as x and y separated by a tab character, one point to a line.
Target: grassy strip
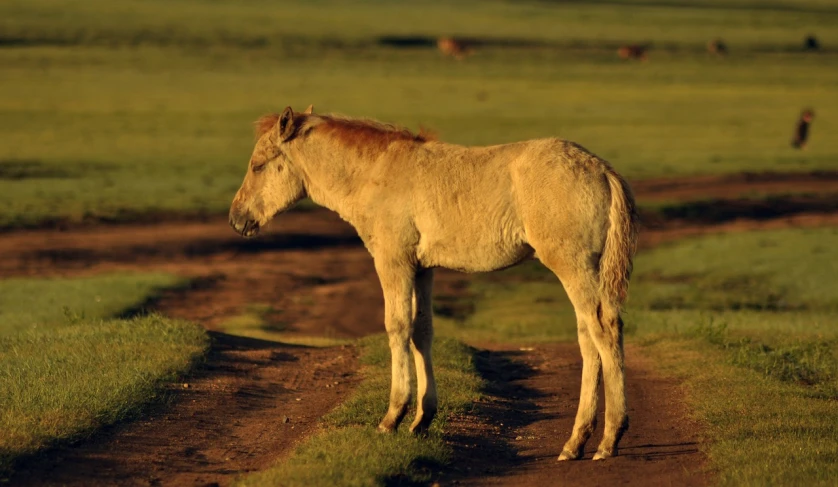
63	384
379	459
765	426
66	370
42	304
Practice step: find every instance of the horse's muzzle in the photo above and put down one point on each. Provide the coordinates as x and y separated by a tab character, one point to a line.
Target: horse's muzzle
244	227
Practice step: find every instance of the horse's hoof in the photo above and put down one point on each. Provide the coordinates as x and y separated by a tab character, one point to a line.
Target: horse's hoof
386	428
419	429
602	455
568	455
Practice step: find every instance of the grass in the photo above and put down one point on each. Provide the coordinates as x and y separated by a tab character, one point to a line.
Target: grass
761	428
46	304
100	122
752	315
67	369
379	459
262	320
259	23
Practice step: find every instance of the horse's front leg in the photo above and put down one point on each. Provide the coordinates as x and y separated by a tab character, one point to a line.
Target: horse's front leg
397	282
423	334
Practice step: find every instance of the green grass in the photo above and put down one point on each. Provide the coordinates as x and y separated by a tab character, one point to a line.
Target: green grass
116	109
67	369
379	459
778	270
286	25
760	428
63	384
46	304
259	320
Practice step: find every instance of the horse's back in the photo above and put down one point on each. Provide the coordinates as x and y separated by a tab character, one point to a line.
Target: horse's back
478	209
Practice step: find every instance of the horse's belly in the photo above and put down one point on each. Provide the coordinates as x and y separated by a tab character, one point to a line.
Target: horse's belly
472	256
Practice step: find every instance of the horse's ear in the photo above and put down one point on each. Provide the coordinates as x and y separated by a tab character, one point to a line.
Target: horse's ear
285	125
309	110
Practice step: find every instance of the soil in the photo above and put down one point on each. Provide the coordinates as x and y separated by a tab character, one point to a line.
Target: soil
727	186
517	432
318	279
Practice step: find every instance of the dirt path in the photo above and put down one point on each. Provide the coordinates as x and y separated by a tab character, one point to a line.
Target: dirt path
516	434
251	403
734	185
311	266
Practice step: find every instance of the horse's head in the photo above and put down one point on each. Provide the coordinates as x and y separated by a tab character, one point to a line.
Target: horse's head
272	183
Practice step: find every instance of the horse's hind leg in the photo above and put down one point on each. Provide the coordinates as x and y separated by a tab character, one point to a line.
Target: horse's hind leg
601	343
608	337
397	283
423	333
585	422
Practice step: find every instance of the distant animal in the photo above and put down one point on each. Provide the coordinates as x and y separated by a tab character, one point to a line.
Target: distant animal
634	51
718	47
419	204
455	48
811	43
801	129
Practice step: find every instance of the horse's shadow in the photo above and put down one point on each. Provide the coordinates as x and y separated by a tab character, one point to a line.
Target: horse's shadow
484	444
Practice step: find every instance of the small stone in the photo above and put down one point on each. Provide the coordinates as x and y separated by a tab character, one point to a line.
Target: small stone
299	399
185	385
519	438
286	419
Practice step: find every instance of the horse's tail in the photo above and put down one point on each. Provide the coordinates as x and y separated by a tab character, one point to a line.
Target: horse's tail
620	244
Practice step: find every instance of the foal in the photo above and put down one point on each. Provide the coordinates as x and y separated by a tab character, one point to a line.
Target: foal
419	204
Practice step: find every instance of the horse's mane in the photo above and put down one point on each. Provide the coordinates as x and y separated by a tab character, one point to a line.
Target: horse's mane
265	123
359	133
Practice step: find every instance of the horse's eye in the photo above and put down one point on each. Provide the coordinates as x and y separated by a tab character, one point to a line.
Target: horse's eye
259	168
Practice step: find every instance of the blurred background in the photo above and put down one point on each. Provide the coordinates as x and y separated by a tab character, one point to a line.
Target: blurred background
113	108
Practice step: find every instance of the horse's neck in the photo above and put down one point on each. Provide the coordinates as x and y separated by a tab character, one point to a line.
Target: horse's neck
332	175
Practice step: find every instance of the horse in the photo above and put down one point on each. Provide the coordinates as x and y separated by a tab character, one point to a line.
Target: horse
718	47
634	51
419	204
456	48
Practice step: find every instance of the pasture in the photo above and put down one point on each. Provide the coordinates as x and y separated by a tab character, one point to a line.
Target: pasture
139	114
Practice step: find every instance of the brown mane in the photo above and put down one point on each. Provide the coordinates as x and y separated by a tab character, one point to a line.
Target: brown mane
360	134
368	135
264	124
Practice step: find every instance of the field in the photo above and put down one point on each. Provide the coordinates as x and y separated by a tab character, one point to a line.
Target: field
125	299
